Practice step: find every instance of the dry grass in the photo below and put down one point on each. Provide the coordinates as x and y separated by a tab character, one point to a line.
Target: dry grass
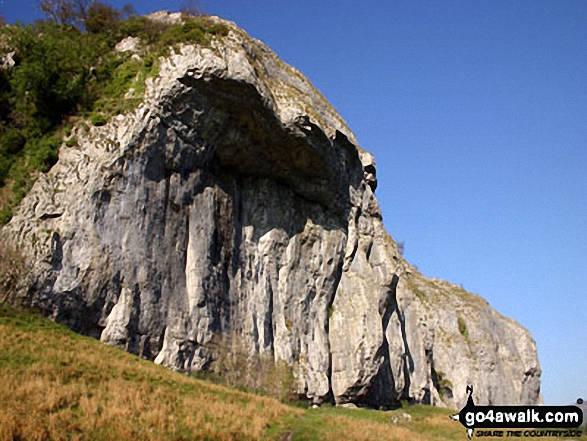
344	427
57	385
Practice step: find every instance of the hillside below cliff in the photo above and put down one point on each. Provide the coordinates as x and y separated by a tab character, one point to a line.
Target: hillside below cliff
234	200
60	385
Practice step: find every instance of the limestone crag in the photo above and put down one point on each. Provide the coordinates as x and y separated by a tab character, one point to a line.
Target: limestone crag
235	199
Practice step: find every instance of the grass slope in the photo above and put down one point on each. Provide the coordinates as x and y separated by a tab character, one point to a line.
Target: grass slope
55	384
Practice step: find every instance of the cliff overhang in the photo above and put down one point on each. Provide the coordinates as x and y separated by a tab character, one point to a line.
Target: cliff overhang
235	201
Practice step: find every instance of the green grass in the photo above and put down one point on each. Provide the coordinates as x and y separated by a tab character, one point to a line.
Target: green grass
126	87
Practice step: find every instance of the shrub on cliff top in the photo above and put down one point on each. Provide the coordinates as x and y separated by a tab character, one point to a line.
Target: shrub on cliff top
65	67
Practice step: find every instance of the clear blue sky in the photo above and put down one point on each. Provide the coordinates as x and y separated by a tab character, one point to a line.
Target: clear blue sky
476	112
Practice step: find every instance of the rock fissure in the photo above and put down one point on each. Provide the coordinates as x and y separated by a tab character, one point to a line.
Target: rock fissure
236	202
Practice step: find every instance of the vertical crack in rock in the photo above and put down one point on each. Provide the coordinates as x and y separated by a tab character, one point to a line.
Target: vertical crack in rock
235	201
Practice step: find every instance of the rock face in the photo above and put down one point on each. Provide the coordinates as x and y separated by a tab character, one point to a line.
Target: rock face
236	200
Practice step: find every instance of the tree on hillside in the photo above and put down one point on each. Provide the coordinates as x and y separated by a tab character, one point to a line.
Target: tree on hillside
93	16
51	76
55	10
190	8
101	18
62	11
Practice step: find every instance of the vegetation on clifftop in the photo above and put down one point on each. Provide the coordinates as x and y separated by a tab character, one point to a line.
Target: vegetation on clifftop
58	70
